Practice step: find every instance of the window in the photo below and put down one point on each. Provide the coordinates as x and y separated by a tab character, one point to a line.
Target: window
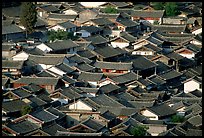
200	86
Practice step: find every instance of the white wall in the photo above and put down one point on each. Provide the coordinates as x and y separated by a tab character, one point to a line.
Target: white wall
191	85
189	56
197	31
195	42
120	45
57	27
93	84
142	53
79	105
150	115
57	71
43	66
20	56
83	33
105	82
69	12
44	47
62	101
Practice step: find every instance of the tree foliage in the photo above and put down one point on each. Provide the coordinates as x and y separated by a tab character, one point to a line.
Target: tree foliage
158	5
60	35
28	17
171	9
110	9
139	130
177	119
26	110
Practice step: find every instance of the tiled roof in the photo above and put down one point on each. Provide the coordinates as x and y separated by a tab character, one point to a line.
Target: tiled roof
12	64
23	127
162	110
37	80
44	116
67	24
62	44
88	76
113	65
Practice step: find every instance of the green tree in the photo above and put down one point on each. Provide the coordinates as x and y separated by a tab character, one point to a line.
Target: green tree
139	130
177	118
26	110
28	17
171	9
158	5
60	35
110	9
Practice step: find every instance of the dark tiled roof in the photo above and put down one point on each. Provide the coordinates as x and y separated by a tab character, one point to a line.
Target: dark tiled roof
13	106
67	24
155	79
44	116
48	60
59	133
145	13
124	96
108	115
125	78
4	81
85	67
195	120
96	39
12	64
38	80
169	28
162	110
127	22
33	51
109	88
113	65
93	124
154	41
174	56
108	52
68	79
86	54
88	90
102	21
66	68
12	11
170	74
7	46
61	16
49	8
105	101
21	92
142	63
194	132
90	29
88	76
36	102
62	44
11	29
23	127
71	93
120	4
52	129
193	47
56	112
45	73
128	36
78	59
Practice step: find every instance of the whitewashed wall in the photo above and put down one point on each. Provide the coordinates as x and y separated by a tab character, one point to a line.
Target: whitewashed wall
191	85
79	105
